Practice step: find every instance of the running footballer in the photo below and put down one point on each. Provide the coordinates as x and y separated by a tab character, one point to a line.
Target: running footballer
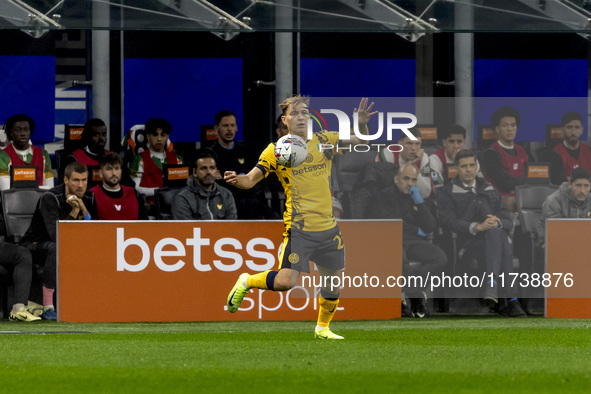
311	231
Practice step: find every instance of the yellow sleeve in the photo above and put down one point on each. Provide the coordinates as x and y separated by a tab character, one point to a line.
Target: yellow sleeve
267	162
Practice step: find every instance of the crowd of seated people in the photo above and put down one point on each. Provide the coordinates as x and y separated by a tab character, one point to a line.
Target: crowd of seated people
474	201
474	195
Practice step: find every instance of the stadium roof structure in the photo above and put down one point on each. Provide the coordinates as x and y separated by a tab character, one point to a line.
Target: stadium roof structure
227	18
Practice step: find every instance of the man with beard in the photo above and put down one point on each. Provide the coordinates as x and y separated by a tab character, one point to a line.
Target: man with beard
571	153
571	200
19	129
202	198
235	156
69	201
113	200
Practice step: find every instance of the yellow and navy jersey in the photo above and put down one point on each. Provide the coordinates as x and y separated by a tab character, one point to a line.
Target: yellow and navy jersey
308	200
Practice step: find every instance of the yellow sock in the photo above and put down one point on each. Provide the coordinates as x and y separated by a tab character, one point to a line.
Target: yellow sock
258	281
326	310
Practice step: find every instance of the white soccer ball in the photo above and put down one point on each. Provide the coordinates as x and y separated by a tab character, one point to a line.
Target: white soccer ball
290	151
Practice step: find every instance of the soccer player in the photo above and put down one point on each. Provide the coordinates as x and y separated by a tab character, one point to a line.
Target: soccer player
311	231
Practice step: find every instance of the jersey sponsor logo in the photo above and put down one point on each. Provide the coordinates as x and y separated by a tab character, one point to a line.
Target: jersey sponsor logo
308	169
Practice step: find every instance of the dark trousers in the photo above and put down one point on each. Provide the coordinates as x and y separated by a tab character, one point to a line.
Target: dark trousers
419	258
496	250
44	254
19	259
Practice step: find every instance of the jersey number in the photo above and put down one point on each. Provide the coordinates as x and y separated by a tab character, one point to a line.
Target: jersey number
339	240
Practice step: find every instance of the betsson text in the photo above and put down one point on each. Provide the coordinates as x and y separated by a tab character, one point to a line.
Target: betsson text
175	248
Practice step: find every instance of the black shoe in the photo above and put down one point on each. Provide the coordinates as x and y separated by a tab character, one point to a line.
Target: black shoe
490	295
511	309
406	307
420	308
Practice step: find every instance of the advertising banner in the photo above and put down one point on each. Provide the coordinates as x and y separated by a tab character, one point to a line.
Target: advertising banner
110	271
568	272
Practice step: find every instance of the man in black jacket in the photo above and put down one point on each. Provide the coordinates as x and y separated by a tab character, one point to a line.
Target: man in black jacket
472	208
70	201
403	201
203	198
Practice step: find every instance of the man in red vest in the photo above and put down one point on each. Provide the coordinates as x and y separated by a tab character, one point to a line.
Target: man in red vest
571	153
94	138
113	200
146	167
19	129
504	162
453	139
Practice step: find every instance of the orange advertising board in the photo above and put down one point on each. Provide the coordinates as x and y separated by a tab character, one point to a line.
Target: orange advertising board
428	133
489	133
556	133
183	271
76	133
177	173
25	174
538	171
567	264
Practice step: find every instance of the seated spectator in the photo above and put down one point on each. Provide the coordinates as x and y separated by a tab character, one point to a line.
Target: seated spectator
113	200
472	208
571	153
203	198
403	201
412	153
504	161
571	200
235	156
146	168
94	138
19	129
453	139
69	201
18	259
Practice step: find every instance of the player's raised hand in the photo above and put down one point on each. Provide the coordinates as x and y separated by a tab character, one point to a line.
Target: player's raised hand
231	177
364	111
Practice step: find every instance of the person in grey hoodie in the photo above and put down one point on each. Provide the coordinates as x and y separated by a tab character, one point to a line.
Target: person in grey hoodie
202	198
571	200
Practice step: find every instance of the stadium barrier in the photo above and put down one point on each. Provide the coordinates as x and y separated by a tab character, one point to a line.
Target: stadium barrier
165	271
568	252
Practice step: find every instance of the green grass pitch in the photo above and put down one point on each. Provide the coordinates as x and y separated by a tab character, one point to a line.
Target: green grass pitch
440	354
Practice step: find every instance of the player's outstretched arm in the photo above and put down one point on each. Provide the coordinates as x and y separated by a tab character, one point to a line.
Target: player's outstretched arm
244	181
363	115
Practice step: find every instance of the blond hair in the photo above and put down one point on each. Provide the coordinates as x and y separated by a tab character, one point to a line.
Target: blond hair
295	100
